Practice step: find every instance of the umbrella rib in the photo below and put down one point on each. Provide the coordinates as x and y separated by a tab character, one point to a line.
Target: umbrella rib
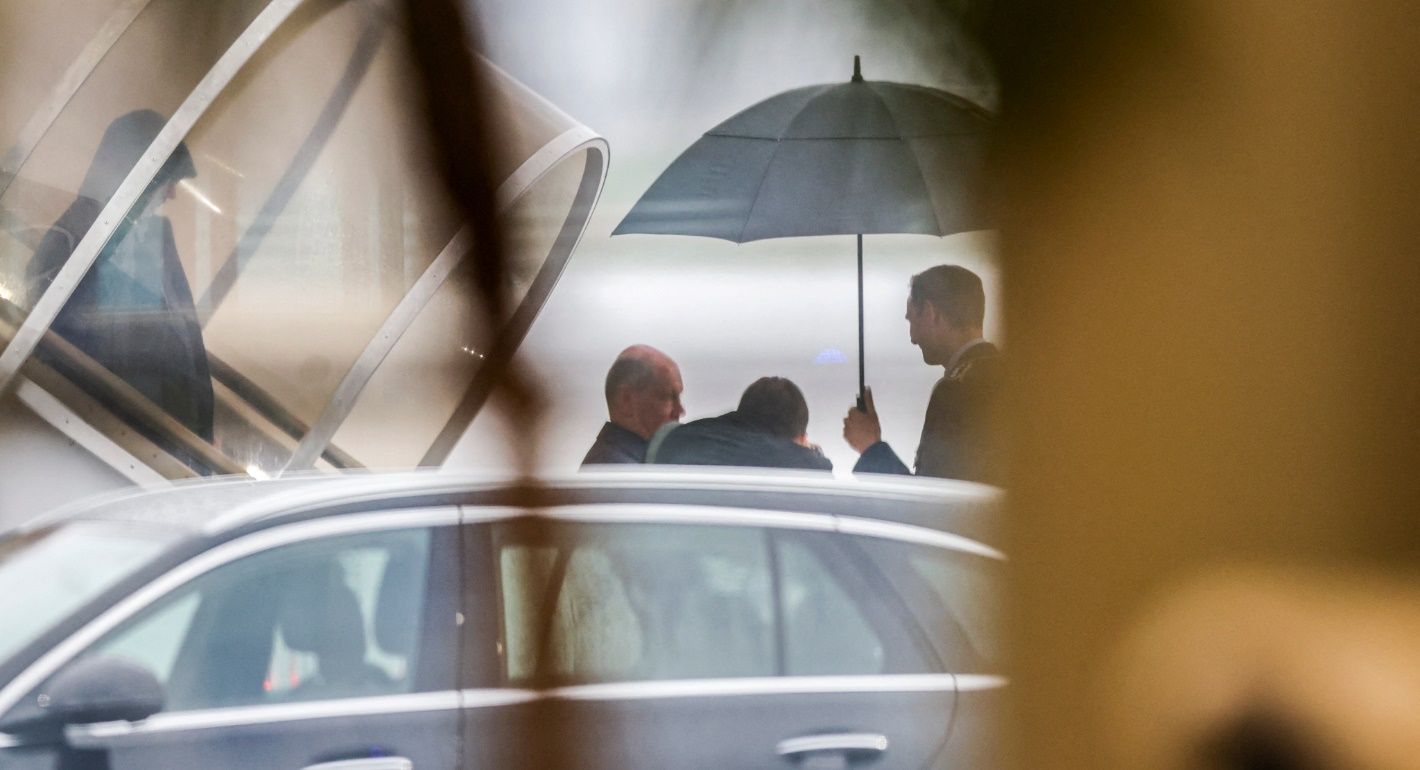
955	100
757	190
765	175
917	161
926	188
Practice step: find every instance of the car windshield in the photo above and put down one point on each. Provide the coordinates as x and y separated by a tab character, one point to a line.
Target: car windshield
47	573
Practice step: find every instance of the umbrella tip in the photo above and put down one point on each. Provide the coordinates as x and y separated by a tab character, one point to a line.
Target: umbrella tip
857	69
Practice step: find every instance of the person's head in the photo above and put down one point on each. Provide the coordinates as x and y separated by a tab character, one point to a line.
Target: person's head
946	307
123	143
776	406
643	390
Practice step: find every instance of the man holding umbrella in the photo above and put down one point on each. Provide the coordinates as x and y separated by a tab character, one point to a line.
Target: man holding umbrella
860	158
945	310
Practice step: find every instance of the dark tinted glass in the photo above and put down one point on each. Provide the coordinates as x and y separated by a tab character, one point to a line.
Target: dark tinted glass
313	621
47	573
825	631
954	596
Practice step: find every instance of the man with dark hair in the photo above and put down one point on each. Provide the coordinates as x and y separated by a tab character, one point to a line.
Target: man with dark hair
946	307
768	430
643	390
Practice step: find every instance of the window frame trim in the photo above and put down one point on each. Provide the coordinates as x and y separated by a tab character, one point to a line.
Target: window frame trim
775	526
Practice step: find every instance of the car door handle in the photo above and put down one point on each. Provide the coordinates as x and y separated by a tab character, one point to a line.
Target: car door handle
369	763
842	743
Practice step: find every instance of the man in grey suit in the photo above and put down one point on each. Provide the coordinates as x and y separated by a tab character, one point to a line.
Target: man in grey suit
945	310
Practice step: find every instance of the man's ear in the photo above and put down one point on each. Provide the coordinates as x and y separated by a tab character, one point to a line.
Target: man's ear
619	401
934	318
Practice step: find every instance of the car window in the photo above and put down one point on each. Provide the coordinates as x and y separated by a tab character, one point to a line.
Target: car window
330	618
825	632
634	602
954	596
154	642
48	573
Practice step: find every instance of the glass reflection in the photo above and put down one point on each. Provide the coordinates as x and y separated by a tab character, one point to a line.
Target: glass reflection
428	371
306	230
153	65
248	284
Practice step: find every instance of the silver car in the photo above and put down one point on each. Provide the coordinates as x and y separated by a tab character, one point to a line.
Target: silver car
606	620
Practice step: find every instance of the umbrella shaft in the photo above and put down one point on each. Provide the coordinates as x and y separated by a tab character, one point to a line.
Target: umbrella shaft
862	378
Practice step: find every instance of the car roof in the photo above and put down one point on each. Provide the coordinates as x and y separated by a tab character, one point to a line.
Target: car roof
231	505
184	504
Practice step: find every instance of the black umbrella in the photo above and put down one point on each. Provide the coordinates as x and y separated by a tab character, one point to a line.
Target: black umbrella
854	158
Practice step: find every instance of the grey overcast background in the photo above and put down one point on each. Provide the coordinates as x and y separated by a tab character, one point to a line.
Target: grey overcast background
651	76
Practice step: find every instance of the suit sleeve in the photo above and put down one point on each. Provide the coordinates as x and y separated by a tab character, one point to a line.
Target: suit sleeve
879	458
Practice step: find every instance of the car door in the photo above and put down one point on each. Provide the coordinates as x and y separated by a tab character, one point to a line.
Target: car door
690	639
953	591
332	640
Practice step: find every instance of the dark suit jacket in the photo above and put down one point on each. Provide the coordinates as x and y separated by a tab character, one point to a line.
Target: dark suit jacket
958	437
616	445
731	440
147	335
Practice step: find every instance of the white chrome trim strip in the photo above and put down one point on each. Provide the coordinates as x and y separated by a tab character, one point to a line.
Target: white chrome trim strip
483	514
76	429
206	719
101	735
786	685
657	513
362	489
909	533
978	682
264	540
832	742
768	685
492	697
368	763
905	488
241	50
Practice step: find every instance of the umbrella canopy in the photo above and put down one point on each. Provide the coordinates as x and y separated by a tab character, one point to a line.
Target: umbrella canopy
853	158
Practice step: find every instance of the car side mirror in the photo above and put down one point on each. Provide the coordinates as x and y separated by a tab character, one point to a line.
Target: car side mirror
101	689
